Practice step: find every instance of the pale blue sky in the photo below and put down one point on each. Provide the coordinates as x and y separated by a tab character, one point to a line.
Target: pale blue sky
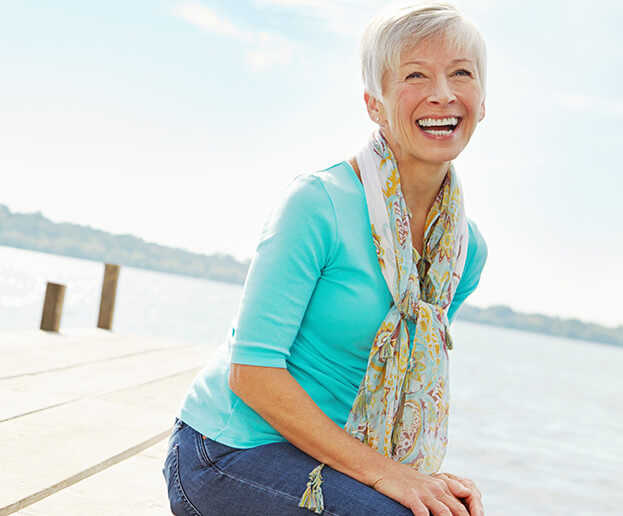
182	122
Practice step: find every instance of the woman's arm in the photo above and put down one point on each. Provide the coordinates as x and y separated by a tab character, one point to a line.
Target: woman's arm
284	404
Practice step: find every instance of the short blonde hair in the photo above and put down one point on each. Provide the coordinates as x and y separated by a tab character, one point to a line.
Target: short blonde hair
393	31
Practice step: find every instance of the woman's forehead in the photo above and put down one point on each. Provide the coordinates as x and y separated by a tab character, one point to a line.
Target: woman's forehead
435	47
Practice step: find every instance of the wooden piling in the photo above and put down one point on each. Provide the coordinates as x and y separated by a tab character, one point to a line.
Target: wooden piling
52	307
109	292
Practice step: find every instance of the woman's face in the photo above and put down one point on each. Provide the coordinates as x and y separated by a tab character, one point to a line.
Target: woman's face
431	103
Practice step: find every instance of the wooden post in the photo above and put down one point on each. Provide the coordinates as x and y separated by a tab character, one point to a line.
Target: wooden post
109	292
52	307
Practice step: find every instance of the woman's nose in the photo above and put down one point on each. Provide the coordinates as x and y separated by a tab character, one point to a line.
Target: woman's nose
441	93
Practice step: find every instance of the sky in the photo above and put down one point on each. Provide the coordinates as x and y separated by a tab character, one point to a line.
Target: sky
182	122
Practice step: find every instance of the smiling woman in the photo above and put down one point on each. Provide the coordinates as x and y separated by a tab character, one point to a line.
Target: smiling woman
332	392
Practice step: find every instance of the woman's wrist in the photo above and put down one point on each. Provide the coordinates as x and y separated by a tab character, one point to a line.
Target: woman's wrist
367	465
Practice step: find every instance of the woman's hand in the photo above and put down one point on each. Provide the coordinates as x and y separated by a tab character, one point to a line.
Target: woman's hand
424	494
473	500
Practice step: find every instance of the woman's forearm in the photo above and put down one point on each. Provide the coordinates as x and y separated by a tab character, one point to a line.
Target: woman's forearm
283	403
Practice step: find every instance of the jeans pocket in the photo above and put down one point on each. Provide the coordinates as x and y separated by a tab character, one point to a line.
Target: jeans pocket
212	452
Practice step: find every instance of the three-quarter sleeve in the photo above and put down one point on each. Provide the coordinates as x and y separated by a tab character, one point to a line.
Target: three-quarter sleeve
475	261
297	241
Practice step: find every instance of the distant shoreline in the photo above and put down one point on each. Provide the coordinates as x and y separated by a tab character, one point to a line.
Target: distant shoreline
33	231
505	317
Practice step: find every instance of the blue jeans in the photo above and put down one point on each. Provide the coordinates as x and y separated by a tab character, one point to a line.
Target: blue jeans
205	478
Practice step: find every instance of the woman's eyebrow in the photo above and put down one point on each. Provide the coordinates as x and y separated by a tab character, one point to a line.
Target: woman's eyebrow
413	62
454	61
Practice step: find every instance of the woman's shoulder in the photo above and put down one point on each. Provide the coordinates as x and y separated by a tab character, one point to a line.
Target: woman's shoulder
343	188
339	179
310	205
338	176
335	189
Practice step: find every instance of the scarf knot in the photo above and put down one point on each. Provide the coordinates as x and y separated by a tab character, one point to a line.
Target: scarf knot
408	306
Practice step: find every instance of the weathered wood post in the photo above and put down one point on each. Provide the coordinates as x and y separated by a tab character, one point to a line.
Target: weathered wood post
52	307
109	292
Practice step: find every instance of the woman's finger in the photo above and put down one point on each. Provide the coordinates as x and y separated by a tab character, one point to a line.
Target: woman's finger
457	488
447	506
465	481
474	499
474	503
437	508
455	505
418	508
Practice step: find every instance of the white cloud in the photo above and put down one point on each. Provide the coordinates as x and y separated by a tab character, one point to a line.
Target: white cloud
347	17
269	50
318	4
206	19
591	104
266	49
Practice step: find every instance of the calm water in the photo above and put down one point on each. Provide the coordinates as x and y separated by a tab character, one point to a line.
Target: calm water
147	303
537	421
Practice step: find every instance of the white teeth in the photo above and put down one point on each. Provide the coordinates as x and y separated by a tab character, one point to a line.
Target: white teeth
430	122
437	133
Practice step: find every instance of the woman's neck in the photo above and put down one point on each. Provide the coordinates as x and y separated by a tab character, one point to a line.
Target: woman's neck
419	182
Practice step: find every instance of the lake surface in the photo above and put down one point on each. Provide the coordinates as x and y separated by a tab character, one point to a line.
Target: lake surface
536	421
147	303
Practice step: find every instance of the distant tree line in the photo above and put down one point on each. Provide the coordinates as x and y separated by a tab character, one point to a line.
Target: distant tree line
34	231
500	315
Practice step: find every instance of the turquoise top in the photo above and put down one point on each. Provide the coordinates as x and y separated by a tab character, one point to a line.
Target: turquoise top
313	301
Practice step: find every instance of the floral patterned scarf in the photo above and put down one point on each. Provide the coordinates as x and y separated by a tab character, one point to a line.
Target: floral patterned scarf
401	408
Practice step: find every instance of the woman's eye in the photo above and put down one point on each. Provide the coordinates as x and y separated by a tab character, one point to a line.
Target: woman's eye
415	75
463	73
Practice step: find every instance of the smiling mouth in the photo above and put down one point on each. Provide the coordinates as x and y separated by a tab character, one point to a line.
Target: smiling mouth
438	126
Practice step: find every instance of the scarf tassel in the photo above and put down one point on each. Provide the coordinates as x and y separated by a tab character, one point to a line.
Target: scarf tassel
312	497
449	342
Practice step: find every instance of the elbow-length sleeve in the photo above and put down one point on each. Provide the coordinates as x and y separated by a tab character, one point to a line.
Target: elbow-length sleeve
296	243
475	261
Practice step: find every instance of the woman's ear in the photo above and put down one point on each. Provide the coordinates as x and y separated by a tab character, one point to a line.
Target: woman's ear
482	110
375	108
